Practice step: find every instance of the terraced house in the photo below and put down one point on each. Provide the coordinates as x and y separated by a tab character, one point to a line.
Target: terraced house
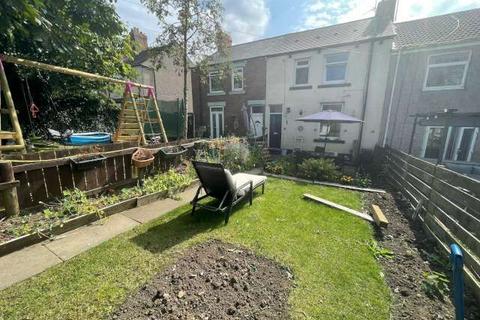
432	107
274	81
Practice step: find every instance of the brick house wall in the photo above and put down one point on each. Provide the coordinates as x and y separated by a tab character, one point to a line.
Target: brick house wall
254	72
409	98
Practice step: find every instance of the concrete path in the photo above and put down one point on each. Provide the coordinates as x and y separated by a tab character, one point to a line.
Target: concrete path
25	263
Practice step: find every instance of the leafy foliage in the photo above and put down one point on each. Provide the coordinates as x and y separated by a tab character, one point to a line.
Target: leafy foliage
76	202
85	35
319	169
435	284
379	252
191	31
234	153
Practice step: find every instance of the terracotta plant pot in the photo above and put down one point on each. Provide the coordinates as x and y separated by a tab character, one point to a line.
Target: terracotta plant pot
142	158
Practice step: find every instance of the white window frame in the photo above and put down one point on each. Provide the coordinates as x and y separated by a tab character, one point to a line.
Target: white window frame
425	141
327	64
342	106
210	82
447	64
295	84
470	147
234	69
211	120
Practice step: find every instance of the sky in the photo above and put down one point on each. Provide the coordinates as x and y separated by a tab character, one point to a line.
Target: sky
249	20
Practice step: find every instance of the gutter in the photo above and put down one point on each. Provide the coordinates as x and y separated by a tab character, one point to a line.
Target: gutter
365	96
390	103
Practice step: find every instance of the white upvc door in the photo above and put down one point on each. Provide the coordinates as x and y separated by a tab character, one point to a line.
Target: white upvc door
216	122
465	143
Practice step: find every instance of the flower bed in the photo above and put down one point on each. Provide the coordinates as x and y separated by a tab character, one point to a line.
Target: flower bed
76	209
315	169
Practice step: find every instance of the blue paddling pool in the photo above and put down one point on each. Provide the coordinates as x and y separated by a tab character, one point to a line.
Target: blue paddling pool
89	138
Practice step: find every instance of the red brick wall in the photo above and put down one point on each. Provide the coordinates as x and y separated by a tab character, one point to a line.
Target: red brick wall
254	87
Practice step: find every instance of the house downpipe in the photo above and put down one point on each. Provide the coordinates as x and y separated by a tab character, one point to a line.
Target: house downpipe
365	96
390	103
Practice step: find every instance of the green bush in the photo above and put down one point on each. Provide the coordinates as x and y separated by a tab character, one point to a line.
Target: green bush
318	169
235	154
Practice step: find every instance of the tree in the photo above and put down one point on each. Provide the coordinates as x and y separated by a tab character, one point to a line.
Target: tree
191	31
86	35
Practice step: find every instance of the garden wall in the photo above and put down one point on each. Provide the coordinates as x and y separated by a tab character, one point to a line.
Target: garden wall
448	204
52	172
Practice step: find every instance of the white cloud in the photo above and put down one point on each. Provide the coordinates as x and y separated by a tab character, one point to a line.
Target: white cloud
246	20
411	9
318	13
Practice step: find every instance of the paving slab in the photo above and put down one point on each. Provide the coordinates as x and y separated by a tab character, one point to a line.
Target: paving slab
79	240
153	210
188	195
25	263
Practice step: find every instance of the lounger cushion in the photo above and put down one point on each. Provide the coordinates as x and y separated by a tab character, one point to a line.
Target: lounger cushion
242	178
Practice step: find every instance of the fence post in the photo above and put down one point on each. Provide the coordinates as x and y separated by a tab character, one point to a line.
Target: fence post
8	189
456	259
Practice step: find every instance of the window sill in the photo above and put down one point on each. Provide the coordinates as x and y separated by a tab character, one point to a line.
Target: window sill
323	140
220	93
426	89
237	92
335	85
303	87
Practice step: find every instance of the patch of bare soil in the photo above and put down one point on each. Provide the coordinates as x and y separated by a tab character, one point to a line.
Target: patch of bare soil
213	280
414	254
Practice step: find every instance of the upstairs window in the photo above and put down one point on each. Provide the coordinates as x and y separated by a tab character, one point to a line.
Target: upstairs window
215	82
446	71
237	79
301	71
336	67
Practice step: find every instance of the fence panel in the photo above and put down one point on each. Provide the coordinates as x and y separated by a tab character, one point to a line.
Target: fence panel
451	205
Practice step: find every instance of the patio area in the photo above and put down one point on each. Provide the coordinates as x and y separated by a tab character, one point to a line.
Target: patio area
335	274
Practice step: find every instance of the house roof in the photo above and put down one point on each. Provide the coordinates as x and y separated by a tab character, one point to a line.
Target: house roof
449	28
141	57
349	32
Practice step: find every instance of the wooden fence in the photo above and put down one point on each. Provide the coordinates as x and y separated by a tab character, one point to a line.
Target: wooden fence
46	179
448	204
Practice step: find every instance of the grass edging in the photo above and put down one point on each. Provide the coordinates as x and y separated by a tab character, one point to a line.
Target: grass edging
76	222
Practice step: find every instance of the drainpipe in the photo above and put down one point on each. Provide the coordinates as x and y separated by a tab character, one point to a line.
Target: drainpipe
390	103
365	96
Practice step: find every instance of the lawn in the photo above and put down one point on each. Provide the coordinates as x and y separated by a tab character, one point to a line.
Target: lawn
336	276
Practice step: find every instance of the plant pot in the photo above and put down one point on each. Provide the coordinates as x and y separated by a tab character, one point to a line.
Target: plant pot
172	151
87	161
142	158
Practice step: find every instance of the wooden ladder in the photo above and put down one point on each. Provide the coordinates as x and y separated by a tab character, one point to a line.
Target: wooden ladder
139	118
16	134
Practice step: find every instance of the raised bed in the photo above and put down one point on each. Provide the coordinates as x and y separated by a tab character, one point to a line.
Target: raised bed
76	222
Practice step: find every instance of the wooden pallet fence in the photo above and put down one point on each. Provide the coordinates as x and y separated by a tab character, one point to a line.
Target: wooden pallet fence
44	180
450	205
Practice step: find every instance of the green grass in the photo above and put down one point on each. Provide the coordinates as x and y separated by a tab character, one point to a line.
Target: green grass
336	276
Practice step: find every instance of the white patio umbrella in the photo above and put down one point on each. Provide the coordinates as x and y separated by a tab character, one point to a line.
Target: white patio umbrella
328	117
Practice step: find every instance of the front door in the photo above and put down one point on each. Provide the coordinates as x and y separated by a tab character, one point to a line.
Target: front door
216	122
275	131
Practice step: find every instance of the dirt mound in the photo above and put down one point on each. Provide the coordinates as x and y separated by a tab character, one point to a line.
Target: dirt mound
213	280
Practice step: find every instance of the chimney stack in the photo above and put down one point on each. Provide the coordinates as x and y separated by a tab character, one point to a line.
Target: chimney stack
386	9
139	38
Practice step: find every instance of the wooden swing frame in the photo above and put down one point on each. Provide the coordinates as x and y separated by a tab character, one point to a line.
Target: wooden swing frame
17	133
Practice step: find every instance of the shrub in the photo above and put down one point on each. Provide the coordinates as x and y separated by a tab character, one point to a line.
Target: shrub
318	169
236	157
